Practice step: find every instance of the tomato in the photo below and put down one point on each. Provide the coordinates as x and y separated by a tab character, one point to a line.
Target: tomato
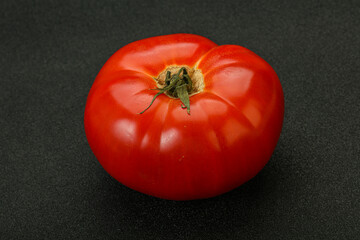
225	136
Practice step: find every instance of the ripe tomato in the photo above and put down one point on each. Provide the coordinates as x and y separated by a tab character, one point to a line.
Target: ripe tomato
236	116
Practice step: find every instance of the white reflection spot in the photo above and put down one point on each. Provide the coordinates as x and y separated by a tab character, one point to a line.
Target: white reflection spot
252	113
233	131
125	130
168	139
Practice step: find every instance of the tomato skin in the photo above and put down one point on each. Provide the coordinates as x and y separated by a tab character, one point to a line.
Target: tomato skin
230	135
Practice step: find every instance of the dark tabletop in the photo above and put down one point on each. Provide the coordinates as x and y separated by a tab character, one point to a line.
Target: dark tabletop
52	186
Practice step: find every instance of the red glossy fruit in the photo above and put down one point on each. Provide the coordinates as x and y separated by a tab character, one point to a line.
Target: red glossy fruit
225	136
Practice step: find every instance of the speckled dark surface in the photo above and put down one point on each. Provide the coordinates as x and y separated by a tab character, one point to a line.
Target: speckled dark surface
51	185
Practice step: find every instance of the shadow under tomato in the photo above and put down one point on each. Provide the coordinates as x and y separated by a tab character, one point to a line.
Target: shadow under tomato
239	211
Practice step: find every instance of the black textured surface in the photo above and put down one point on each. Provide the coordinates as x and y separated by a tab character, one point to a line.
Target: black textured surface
51	185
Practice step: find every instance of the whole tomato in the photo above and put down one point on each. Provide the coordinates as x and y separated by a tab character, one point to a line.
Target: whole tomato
215	118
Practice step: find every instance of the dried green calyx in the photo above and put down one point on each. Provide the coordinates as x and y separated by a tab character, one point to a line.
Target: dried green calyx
179	85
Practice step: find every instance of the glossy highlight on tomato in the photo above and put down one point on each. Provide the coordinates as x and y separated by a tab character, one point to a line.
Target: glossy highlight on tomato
230	134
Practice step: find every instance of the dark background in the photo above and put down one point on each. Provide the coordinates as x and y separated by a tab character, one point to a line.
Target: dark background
51	185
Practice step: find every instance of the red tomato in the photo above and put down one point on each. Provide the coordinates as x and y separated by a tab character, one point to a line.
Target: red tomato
228	137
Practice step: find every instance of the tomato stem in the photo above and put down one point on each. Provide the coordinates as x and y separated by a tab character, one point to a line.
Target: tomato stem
178	85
